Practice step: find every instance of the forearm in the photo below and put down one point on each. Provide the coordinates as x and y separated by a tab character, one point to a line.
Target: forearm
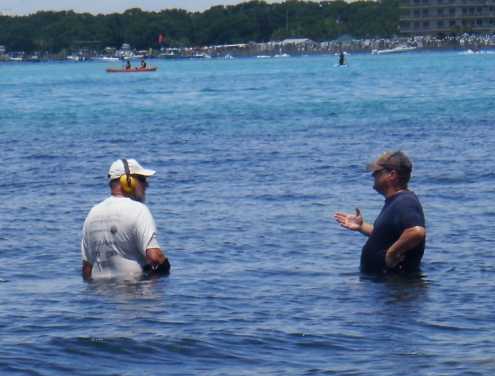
86	270
409	239
366	229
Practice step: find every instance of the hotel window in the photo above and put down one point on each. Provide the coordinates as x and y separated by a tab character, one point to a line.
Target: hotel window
416	25
452	11
425	12
440	24
440	12
479	22
452	23
417	13
426	24
452	1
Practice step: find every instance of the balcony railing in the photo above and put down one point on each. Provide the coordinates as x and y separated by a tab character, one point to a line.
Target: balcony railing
446	5
446	17
477	3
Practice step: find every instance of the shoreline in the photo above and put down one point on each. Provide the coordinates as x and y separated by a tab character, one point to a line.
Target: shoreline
275	49
487	50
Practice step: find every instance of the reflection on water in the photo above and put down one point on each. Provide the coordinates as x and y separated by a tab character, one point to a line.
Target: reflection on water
128	288
398	288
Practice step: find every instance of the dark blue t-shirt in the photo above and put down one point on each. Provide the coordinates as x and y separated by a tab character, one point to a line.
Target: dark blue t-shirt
400	212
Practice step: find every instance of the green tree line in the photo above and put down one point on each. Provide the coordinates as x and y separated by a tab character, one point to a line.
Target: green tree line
253	21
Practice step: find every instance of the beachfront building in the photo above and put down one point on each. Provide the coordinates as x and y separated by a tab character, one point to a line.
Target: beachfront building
433	17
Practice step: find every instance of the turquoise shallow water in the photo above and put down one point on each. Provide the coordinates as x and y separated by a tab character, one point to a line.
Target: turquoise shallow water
253	158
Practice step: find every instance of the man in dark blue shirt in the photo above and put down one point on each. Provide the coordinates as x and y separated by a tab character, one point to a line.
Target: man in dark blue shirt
396	241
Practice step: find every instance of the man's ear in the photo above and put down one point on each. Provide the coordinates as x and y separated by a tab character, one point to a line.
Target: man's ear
394	175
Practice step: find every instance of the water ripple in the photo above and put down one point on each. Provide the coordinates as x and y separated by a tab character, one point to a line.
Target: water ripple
253	159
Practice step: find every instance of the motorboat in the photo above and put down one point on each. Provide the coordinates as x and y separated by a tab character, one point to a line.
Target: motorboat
394	50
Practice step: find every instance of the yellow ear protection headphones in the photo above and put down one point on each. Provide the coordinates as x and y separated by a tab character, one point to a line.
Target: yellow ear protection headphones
127	182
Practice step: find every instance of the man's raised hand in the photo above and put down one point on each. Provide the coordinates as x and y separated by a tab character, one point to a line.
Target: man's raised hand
352	222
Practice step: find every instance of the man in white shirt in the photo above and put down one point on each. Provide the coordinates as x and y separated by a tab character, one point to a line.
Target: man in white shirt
119	233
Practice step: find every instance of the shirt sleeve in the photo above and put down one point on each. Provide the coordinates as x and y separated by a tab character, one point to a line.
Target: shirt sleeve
146	231
410	215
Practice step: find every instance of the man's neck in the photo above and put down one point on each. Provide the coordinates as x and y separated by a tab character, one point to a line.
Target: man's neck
393	191
117	192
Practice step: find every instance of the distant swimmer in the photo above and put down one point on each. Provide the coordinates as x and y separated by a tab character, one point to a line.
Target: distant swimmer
396	241
128	64
342	58
143	64
119	233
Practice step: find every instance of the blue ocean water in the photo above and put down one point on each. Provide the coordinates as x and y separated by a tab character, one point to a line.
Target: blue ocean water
253	157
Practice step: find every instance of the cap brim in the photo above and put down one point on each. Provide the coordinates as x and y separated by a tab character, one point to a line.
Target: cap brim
145	172
372	167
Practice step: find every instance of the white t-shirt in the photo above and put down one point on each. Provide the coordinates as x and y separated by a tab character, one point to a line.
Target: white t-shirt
116	234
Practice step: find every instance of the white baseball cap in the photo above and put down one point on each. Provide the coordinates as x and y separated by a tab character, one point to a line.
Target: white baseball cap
117	169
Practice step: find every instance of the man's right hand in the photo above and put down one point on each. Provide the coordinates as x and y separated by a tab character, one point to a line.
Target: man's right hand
157	261
350	221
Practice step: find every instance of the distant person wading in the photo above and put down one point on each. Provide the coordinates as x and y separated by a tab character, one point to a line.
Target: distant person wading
119	234
341	58
396	240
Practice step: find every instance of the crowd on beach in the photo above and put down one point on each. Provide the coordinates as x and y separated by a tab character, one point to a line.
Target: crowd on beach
421	42
287	47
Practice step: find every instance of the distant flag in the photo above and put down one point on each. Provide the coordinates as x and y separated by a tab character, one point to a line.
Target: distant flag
161	38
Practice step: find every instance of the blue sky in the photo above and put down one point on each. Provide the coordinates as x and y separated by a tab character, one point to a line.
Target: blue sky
21	7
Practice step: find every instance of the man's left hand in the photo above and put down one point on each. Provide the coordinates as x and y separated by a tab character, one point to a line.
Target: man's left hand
392	259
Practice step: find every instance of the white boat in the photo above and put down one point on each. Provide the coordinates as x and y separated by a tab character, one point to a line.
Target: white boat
128	55
263	57
201	55
76	58
107	58
278	56
394	50
476	52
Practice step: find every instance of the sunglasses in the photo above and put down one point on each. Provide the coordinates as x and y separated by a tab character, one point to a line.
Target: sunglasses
142	179
379	172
